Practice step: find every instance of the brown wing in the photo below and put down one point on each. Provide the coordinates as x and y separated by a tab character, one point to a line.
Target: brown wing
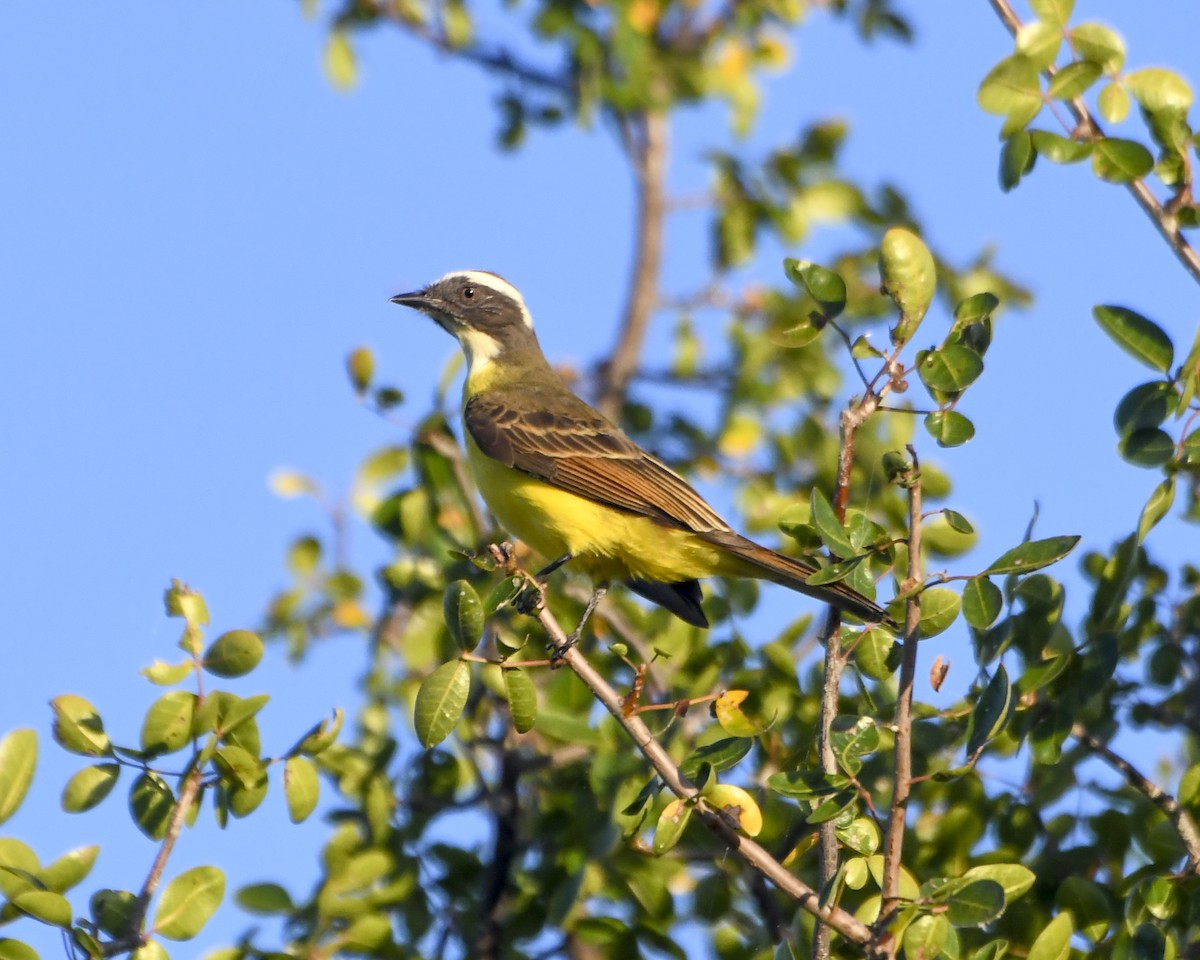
577	449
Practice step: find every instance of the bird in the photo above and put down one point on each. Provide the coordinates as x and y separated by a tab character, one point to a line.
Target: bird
568	482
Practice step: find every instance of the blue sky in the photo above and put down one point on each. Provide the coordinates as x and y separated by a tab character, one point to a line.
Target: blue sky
195	228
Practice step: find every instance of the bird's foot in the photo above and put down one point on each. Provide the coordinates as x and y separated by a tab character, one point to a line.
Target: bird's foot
561	649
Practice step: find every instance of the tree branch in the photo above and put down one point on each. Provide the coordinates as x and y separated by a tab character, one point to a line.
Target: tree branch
136	938
1185	826
756	856
506	809
650	167
1163	219
902	787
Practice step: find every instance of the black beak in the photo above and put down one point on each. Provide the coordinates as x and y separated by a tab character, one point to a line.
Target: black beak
417	299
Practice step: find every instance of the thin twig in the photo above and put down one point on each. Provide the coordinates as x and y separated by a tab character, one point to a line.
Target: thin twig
650	167
136	938
756	856
1184	825
902	787
1162	218
498	60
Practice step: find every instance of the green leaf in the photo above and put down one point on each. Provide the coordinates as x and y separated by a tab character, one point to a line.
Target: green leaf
1031	555
265	900
851	738
1058	149
1145	406
1156	89
1011	88
151	802
828	526
976	905
877	654
1113	103
1053	13
238	766
1017	157
1054	942
950	369
1091	911
187	903
958	522
727	708
825	286
167	726
909	277
153	950
1014	878
926	936
323	735
1094	41
1141	338
862	836
1039	42
360	367
1120	161
671	824
440	702
234	654
982	602
113	911
939	609
70	869
45	905
341	67
167	674
949	428
1147	448
720	755
464	614
522	699
1156	507
301	787
991	712
89	787
78	727
16	950
18	761
1074	79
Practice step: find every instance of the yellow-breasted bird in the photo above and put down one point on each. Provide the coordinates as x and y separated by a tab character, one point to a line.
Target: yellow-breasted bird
563	478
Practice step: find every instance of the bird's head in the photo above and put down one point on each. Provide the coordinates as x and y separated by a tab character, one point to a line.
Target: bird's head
485	312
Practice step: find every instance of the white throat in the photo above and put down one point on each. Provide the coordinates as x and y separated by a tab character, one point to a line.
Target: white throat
480	348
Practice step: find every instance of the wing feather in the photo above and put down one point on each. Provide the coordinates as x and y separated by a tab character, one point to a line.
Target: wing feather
571	446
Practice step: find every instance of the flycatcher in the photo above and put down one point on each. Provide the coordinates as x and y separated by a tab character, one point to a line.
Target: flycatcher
568	482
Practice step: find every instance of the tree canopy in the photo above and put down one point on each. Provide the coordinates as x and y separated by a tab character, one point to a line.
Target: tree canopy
776	786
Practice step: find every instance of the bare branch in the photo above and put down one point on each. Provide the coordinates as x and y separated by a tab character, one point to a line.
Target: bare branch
136	938
650	167
497	59
902	787
1162	217
1185	826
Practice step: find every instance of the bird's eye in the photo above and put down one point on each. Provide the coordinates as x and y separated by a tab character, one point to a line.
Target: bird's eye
468	292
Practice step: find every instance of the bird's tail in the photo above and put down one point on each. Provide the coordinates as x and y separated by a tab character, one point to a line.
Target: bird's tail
755	560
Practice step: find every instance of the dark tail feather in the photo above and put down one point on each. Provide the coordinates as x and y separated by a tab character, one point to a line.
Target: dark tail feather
682	599
788	572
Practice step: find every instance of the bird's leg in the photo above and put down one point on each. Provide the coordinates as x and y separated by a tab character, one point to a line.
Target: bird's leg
598	593
549	568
